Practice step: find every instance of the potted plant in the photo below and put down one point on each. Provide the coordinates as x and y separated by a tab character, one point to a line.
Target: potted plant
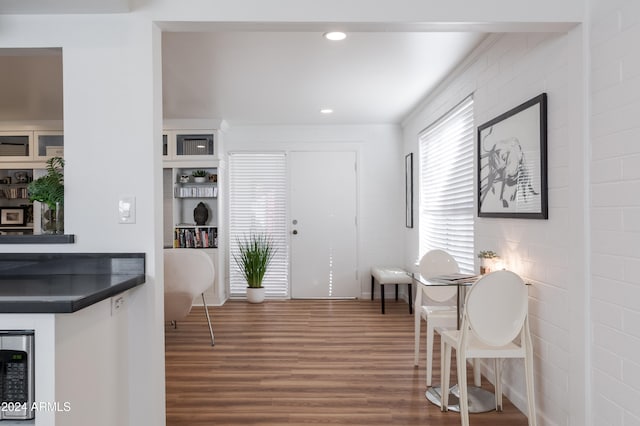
199	176
255	254
487	259
49	191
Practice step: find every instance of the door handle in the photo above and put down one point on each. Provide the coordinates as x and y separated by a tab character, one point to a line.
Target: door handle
295	232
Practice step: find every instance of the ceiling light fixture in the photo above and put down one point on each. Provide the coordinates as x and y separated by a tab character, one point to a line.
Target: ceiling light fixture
335	35
326	111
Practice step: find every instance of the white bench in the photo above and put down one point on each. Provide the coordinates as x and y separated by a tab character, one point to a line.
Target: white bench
390	275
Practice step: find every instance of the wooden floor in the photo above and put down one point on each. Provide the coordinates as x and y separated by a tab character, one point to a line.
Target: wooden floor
304	362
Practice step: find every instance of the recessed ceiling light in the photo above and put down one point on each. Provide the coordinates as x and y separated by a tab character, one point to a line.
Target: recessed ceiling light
326	111
335	35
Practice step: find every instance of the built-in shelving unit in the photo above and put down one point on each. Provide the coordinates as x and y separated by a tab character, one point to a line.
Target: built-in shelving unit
187	154
24	149
16	212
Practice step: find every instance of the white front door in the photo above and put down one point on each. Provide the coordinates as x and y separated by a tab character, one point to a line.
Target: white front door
323	225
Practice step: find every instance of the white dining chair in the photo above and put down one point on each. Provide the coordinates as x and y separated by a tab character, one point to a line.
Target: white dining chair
187	274
441	314
494	315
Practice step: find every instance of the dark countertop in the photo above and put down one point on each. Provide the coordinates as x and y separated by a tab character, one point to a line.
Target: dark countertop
65	282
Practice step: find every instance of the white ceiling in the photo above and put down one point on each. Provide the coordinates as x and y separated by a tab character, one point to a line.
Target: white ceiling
37	7
277	77
264	77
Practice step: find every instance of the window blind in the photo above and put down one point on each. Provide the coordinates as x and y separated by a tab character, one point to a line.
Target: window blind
258	203
446	185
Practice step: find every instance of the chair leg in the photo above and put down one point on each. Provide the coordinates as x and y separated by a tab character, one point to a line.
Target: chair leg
410	299
382	297
429	353
206	311
373	287
498	386
445	374
462	387
477	372
416	336
528	368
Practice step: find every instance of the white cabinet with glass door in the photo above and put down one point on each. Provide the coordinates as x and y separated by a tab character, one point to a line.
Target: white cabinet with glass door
16	146
178	145
48	144
29	145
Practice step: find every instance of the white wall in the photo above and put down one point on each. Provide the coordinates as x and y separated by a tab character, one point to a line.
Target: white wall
110	128
615	212
504	72
380	179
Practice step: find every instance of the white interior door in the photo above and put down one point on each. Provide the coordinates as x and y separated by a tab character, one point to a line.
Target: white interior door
323	225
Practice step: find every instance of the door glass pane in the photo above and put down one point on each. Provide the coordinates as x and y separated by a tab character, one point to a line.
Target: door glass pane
258	204
50	145
14	146
194	144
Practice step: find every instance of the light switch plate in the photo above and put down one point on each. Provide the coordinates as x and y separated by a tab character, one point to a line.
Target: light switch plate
127	209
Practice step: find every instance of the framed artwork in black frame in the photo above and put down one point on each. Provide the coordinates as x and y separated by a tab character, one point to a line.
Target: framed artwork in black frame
512	163
12	216
408	188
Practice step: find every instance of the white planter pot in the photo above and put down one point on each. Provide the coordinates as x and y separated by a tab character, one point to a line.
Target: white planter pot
255	295
200	179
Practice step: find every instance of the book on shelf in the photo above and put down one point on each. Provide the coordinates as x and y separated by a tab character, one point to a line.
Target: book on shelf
196	191
195	237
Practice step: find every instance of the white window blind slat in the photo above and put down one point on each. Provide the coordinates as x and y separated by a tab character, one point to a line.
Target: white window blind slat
258	203
446	185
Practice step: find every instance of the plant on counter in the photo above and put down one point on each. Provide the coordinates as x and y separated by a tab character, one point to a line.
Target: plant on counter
49	189
199	173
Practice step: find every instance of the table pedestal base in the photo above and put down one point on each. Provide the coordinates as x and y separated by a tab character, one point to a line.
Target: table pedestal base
480	400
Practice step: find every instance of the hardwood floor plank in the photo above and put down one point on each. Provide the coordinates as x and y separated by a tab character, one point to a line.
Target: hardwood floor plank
304	362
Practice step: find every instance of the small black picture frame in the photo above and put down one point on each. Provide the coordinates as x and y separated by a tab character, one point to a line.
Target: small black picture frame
408	184
12	216
512	163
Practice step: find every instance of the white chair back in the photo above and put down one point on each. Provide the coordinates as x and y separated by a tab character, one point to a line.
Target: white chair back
434	263
187	274
496	307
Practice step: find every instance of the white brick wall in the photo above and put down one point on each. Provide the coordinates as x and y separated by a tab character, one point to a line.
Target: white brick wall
505	72
615	211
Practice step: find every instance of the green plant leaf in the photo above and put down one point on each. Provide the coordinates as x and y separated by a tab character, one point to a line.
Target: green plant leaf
49	188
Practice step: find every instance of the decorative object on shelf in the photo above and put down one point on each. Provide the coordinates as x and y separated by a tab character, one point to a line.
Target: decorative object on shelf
213	178
21	177
28	211
184	178
488	260
255	254
49	191
199	176
201	214
512	163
